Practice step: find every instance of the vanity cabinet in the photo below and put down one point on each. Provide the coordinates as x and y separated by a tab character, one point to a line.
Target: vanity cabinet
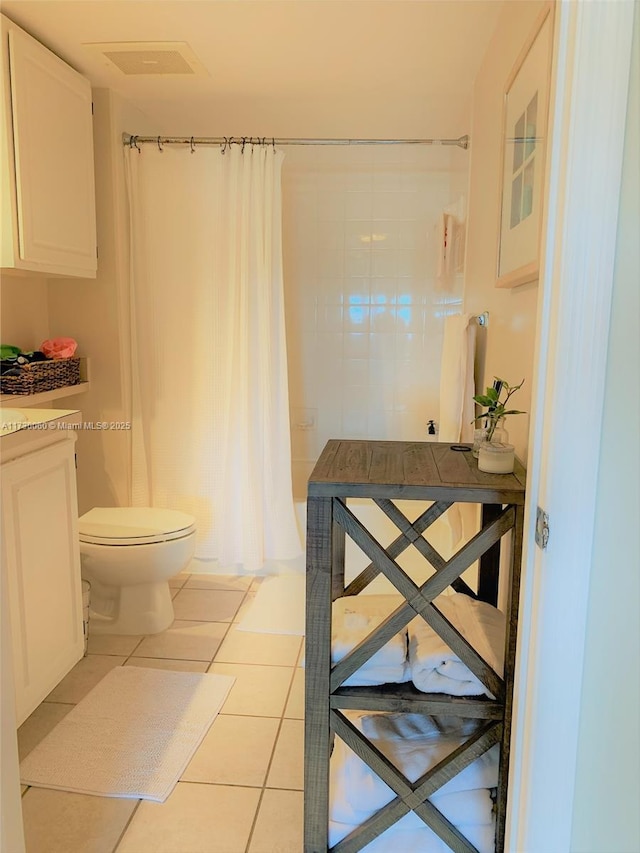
41	566
48	195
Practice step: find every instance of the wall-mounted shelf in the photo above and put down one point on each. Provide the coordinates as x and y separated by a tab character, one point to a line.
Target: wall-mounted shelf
25	401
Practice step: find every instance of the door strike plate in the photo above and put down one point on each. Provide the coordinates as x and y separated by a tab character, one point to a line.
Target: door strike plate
542	528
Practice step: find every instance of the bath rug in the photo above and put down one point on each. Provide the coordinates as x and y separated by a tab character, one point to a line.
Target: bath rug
132	736
278	608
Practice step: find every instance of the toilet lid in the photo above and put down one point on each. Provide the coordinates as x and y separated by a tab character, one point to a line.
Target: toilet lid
133	525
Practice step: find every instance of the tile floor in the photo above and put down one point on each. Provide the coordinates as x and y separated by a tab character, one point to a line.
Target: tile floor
242	791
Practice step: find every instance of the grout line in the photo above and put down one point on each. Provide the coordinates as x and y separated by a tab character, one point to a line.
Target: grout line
270	763
126	826
254	821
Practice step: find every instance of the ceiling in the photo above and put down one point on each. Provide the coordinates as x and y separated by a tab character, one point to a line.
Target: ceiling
283	67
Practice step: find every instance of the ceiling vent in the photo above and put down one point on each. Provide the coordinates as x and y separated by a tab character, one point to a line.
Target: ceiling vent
151	57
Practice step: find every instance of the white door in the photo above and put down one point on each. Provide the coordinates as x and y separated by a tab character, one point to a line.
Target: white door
40	551
53	140
592	66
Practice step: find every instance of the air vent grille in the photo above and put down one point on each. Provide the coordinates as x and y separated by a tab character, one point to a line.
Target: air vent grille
151	58
150	62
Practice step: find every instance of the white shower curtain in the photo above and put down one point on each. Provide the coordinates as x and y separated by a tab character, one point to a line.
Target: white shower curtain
210	413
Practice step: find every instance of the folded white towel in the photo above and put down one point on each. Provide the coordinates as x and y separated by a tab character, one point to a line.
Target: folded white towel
357	792
354	618
406	836
434	666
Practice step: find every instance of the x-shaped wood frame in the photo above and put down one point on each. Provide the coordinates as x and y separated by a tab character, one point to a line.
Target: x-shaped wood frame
419	601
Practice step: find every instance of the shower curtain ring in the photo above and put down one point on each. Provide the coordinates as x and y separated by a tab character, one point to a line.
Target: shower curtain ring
193	147
244	140
160	149
224	147
135	144
273	142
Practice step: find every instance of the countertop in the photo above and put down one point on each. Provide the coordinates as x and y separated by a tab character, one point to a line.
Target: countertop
25	430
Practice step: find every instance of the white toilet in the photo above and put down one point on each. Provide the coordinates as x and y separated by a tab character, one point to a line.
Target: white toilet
128	555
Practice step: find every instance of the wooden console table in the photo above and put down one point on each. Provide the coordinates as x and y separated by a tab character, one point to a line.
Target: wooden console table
385	471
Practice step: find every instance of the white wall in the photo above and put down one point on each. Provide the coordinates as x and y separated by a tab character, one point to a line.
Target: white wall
506	347
24	319
364	310
605	814
95	313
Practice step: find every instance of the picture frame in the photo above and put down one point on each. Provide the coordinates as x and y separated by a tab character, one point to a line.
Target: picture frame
525	119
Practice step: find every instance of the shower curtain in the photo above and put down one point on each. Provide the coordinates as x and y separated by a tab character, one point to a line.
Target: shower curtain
210	413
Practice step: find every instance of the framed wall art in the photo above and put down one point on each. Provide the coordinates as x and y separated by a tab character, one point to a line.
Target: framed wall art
524	144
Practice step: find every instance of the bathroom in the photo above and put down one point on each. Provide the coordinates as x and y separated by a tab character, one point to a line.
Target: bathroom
391	102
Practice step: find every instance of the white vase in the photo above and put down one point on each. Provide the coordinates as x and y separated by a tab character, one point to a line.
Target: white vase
496	458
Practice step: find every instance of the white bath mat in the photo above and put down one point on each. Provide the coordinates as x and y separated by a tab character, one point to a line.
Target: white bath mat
132	736
278	608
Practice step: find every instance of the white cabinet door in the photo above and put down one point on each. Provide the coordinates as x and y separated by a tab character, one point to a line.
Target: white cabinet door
41	556
52	141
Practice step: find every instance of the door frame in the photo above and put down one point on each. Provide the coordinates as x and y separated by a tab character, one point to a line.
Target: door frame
592	57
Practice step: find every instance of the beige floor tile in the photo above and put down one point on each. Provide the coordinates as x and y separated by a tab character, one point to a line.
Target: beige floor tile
37	726
300	661
247	602
235	751
211	605
295	703
246	647
165	663
194	819
287	767
83	677
61	822
185	640
279	827
259	691
231	583
112	644
179	580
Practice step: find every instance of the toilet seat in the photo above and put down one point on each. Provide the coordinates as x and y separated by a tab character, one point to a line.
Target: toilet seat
133	525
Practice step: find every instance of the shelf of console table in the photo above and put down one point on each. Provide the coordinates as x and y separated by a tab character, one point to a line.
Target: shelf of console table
385	471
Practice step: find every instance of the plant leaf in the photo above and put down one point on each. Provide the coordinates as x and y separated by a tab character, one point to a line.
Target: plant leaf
482	400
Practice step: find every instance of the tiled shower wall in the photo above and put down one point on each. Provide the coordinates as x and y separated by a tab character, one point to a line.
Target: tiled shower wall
364	304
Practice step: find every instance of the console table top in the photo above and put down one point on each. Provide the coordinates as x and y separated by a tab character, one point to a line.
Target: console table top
410	469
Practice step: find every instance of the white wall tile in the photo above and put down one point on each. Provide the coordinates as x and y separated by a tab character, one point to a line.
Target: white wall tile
382	345
355	371
358	205
383	318
357	262
329	318
364	316
356	345
383	262
356	316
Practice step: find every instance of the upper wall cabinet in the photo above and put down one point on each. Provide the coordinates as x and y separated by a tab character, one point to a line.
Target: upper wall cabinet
48	195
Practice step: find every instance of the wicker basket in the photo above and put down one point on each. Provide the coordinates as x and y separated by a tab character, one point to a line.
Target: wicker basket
42	376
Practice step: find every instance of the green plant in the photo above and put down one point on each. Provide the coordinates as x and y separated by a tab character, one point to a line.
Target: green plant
496	408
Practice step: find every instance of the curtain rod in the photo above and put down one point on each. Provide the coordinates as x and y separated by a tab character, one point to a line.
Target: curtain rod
134	141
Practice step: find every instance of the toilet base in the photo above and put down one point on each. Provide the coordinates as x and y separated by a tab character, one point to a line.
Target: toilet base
140	609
